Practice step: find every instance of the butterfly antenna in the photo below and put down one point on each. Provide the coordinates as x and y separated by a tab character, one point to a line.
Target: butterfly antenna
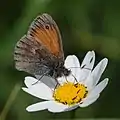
66	78
81	67
75	78
56	84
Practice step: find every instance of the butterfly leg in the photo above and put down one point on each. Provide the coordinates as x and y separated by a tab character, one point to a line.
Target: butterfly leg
41	77
38	79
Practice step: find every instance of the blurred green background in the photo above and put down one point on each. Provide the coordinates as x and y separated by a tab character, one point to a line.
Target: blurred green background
84	25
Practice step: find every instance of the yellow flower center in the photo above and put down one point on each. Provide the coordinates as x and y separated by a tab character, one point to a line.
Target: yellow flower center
70	93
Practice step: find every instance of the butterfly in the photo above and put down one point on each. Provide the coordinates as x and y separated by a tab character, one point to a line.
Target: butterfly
40	50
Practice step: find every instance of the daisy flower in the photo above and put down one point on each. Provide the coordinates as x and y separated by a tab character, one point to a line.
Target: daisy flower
79	89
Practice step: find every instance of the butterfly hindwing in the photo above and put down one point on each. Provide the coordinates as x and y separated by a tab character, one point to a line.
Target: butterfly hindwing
30	56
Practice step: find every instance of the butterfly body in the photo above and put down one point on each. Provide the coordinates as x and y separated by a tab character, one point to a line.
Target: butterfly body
58	70
40	51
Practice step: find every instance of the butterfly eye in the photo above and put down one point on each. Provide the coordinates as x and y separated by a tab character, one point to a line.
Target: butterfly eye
47	27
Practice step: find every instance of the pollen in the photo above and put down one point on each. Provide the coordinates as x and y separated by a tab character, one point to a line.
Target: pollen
70	93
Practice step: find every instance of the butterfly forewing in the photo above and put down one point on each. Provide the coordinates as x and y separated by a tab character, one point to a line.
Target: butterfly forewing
45	30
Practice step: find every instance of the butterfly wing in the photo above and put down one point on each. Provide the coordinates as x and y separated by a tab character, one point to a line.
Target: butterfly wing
36	51
31	56
45	30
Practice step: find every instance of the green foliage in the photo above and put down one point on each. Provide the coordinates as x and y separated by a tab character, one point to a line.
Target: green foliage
84	25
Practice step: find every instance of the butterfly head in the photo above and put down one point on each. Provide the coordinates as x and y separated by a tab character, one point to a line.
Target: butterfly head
59	70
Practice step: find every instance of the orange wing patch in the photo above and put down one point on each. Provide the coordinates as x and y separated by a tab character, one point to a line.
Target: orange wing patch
45	31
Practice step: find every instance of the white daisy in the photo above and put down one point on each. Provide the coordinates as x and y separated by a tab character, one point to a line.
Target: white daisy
79	89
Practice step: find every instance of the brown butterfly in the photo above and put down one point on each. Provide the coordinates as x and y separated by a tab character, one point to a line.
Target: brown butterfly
40	51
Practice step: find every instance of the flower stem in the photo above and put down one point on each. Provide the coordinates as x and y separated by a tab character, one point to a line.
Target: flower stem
72	114
9	102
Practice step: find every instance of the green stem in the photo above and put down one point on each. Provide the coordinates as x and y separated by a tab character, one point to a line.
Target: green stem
72	114
9	102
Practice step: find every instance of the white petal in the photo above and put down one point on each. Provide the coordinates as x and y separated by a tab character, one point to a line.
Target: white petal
98	70
87	65
89	60
72	107
72	61
99	88
71	78
57	107
38	106
84	73
73	64
61	80
64	79
49	81
29	81
89	82
94	94
89	101
40	90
